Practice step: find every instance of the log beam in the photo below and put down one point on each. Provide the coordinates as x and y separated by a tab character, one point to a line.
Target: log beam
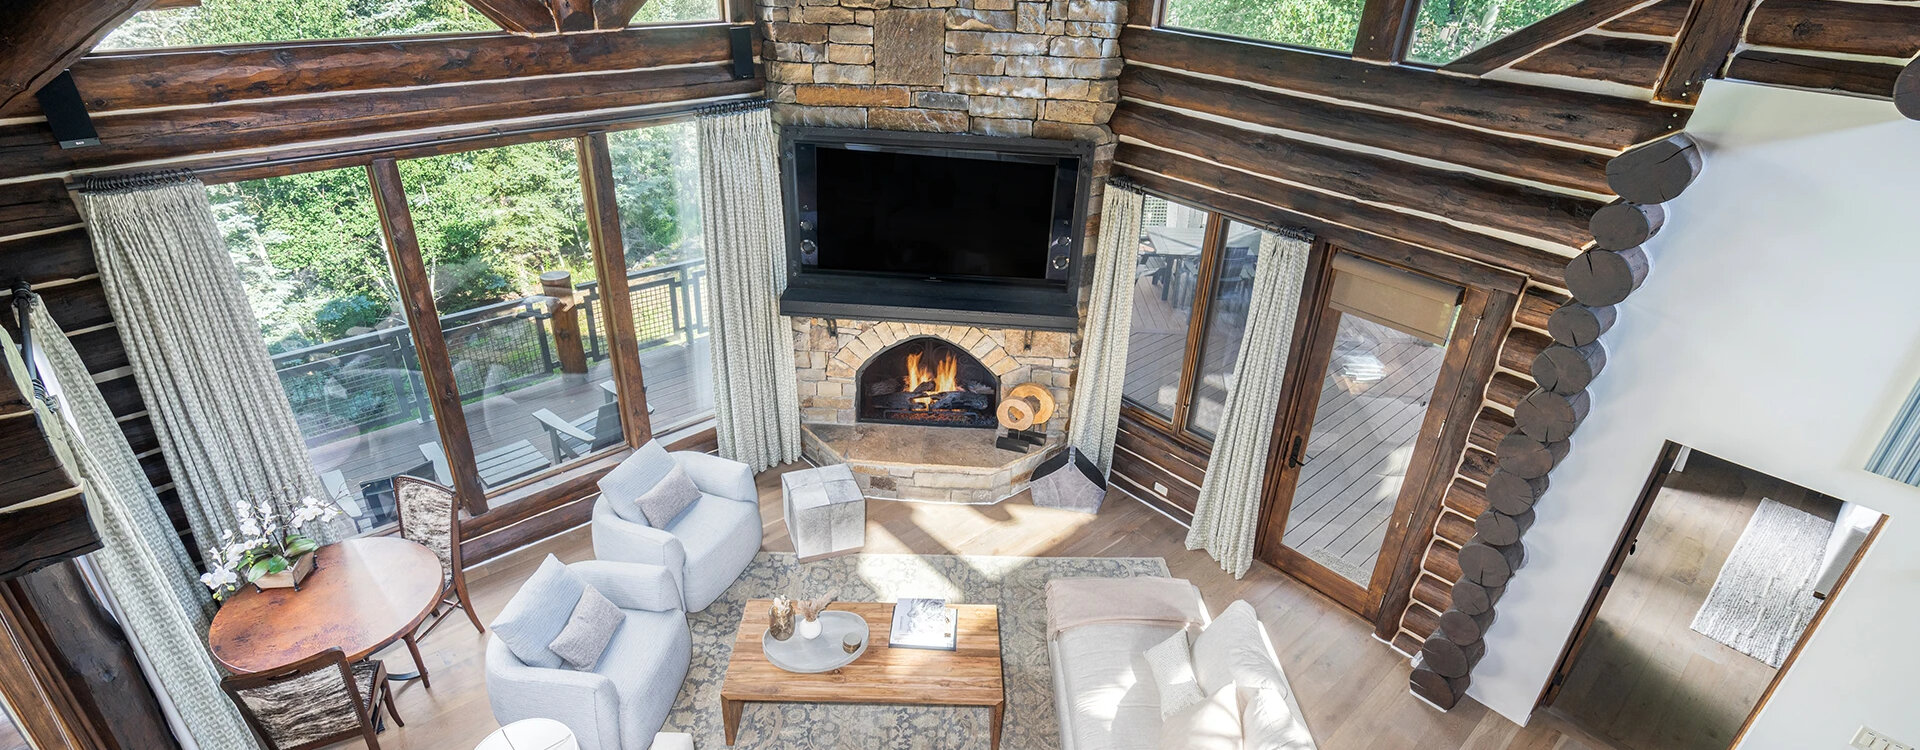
1873	29
1815	73
1708	36
40	38
1580	325
1656	172
1599	278
1542	34
1618	226
1906	91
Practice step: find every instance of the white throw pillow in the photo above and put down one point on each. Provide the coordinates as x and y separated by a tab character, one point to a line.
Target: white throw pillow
1171	662
1232	650
1270	721
1211	724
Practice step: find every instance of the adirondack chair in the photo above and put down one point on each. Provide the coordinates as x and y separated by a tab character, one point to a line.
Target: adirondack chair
579	437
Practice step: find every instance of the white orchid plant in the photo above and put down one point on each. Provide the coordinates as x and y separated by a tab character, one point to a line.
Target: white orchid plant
264	546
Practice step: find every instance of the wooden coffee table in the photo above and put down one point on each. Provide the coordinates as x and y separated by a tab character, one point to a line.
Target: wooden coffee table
969	676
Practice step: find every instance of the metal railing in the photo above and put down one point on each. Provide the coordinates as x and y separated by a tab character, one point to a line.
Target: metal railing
372	380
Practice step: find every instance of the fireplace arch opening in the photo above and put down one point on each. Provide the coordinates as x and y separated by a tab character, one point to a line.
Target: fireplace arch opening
927	381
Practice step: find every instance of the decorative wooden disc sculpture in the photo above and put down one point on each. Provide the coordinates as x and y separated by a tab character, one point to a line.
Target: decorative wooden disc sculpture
1026	405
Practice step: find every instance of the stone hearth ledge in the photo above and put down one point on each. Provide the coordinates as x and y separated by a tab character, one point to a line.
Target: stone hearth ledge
924	463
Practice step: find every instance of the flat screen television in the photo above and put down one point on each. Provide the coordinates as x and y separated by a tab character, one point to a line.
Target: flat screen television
934	221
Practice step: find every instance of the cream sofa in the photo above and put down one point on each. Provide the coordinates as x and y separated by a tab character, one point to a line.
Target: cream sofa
1105	695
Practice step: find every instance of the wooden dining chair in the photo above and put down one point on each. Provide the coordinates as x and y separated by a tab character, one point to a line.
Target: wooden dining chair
314	702
430	515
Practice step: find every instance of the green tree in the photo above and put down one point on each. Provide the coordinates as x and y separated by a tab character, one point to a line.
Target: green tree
1445	30
254	21
1321	24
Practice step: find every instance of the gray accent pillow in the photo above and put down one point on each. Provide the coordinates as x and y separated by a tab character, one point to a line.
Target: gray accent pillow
537	614
588	631
633	477
668	499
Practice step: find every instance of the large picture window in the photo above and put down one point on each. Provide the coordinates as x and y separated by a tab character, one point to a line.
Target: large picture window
212	22
1445	30
1319	24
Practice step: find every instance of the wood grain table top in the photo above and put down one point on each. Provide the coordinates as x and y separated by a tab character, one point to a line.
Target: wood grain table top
363	595
968	676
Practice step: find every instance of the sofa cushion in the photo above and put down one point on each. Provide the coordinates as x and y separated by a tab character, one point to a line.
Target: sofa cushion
1271	720
538	612
636	475
1233	650
587	632
668	499
1212	723
646	662
720	537
1107	693
1171	663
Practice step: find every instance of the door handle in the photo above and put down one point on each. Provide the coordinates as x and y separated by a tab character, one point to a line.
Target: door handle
1296	457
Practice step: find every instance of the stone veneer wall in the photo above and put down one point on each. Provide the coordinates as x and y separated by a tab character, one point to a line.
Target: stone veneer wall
828	363
1046	69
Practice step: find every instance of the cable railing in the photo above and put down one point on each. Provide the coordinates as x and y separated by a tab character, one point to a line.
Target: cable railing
371	380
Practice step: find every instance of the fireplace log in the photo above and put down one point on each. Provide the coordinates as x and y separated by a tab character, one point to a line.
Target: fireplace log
1606	277
1450	659
1550	417
960	400
1580	325
1512	494
1568	369
1527	457
1618	226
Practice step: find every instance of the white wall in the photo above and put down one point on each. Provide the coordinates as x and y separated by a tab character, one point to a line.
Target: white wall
1780	329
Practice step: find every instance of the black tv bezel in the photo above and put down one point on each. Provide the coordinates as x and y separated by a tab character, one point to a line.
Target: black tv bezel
1049	304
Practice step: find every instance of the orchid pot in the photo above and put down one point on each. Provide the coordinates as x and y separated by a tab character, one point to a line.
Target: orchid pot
267	553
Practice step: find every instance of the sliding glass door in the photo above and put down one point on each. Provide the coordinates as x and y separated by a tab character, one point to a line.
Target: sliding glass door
1376	351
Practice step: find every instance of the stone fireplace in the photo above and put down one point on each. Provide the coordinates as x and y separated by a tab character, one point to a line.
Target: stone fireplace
910	407
926	381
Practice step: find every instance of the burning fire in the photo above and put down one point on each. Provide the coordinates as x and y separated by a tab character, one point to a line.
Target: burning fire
944	374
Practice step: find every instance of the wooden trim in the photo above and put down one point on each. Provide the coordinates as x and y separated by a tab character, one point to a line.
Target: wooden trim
1386	28
1275	490
39	700
576	481
610	265
84	661
1338	219
1643	507
1546	32
546	524
415	287
1630	61
1492	315
1211	248
1711	31
1816	73
1565	116
1890	30
1806	635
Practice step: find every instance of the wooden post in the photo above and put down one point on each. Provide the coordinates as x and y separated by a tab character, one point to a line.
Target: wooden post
616	305
567	344
423	320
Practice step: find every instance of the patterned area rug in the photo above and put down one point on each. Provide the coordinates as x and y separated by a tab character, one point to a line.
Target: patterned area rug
1763	599
1016	584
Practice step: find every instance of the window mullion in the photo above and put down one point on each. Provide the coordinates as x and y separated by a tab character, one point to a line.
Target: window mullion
1211	247
616	304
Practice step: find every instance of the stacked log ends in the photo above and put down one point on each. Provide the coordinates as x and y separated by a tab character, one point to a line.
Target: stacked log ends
1569	369
1550	417
1475	598
1906	91
1490	564
1579	325
1529	457
1622	225
1500	528
1513	494
1443	692
1599	278
1449	659
1655	172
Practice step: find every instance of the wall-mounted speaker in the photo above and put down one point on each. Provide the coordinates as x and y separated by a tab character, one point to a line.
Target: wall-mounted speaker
67	113
740	39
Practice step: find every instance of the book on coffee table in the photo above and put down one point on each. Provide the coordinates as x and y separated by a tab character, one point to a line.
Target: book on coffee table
924	623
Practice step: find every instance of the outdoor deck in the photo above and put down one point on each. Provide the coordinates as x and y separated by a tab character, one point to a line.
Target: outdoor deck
1357	454
1156	350
679	390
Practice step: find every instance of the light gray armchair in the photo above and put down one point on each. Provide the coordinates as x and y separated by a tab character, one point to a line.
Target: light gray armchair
622	701
706	546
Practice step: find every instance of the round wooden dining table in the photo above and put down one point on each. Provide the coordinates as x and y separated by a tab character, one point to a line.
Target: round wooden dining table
363	595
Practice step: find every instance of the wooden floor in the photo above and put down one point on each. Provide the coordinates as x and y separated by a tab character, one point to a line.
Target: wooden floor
679	389
1352	688
1646	680
1362	440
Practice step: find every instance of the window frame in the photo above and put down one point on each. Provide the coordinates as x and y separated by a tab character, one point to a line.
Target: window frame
1212	255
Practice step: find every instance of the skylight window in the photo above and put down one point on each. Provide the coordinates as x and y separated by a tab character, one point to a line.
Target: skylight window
1446	30
216	22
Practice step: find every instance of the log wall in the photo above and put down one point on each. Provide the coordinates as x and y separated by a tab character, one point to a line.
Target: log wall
1828	45
332	104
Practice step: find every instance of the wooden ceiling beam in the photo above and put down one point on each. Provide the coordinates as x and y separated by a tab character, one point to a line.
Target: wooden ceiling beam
40	38
615	14
1386	28
1706	40
520	16
1554	29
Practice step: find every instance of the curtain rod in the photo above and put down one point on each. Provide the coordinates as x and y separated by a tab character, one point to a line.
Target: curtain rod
23	298
1302	233
128	181
78	182
728	108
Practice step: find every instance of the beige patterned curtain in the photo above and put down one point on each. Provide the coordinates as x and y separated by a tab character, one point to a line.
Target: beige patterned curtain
756	402
1103	349
225	427
157	591
1228	513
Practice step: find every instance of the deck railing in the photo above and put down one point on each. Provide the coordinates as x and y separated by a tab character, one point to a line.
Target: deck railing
372	380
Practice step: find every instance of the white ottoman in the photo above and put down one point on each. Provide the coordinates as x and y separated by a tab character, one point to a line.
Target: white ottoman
826	514
530	734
